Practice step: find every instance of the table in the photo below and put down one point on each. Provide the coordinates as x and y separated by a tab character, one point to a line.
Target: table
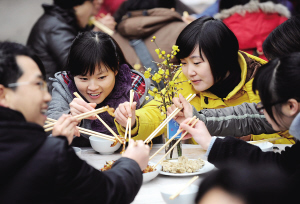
150	192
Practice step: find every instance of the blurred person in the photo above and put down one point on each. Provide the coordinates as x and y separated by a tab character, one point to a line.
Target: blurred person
40	169
219	74
241	183
252	21
244	119
275	83
97	70
52	34
138	21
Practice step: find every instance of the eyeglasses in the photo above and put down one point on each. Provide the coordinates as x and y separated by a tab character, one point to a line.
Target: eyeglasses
42	84
260	108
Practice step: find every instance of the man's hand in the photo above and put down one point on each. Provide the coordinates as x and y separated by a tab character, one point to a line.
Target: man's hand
66	126
139	152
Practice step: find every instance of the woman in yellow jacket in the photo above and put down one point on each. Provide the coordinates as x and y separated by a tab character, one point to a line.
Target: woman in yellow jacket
220	75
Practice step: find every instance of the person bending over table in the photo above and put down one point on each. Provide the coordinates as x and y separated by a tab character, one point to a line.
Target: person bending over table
275	83
40	169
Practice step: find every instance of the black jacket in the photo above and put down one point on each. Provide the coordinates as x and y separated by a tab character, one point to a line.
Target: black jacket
39	169
52	36
231	148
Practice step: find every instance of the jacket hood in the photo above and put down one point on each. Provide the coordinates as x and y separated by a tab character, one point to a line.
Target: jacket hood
253	7
141	24
18	141
65	15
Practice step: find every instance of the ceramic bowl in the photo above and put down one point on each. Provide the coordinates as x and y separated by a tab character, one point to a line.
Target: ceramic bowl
151	175
187	196
77	150
103	146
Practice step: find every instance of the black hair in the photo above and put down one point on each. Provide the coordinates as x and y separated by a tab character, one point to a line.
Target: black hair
253	184
227	4
284	39
90	49
68	4
10	72
135	5
215	40
277	82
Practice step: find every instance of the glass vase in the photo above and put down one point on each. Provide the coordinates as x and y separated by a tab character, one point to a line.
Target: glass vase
176	152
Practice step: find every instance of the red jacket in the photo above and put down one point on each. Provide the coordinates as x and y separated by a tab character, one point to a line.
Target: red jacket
252	28
109	6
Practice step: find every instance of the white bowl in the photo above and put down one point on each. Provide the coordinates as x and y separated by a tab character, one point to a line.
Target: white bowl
77	150
103	146
151	175
187	196
265	146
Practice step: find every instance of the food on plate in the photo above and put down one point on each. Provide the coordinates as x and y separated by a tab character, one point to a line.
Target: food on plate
183	165
148	169
109	164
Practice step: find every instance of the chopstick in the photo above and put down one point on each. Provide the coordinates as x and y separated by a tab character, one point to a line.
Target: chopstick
178	132
101	26
110	130
128	125
80	117
88	132
182	136
172	197
266	140
165	122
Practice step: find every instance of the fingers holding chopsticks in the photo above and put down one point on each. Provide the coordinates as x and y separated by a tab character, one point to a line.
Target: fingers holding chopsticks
139	152
79	106
199	132
66	126
124	111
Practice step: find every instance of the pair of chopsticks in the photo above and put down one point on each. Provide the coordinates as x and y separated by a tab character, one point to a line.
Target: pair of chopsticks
128	125
172	197
266	140
170	140
101	26
165	122
110	130
80	117
193	121
87	132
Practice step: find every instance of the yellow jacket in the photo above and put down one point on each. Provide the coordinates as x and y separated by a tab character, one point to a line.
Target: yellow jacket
149	117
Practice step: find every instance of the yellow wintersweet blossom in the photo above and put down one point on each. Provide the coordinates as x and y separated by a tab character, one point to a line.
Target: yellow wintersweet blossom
163	52
147	98
147	74
157	51
155	90
167	72
137	66
161	71
153	37
160	56
174	47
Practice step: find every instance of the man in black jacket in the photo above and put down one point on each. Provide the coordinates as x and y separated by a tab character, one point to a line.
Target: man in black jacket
53	33
40	169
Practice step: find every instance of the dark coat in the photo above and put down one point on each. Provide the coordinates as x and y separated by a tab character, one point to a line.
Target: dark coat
231	148
40	169
52	36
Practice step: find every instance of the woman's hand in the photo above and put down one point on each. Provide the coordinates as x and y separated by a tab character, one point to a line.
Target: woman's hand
199	132
186	112
79	106
139	152
66	126
123	112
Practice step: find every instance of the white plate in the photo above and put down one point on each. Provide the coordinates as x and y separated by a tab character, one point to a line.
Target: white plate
151	175
77	150
265	146
206	168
